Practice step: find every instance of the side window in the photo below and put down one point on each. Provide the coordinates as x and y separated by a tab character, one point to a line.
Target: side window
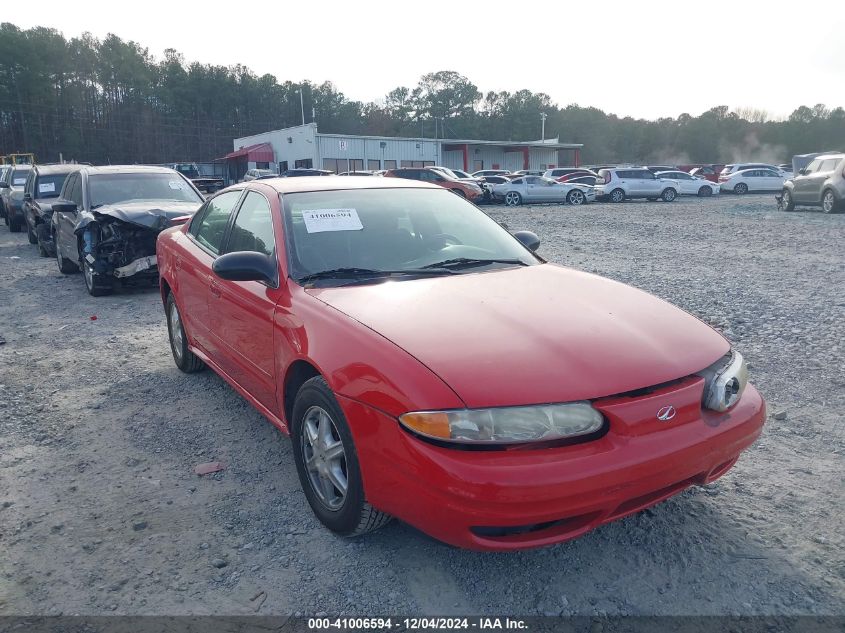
212	225
68	186
76	192
812	167
253	227
30	184
828	165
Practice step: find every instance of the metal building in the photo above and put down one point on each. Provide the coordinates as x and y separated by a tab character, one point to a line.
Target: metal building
304	146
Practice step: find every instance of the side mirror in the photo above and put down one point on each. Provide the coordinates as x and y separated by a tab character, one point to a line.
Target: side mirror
27	196
528	239
246	266
64	207
802	171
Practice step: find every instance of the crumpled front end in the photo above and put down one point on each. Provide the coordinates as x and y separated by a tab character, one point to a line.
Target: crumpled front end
119	249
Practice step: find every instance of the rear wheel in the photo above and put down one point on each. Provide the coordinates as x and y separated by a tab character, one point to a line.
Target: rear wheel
184	358
327	463
97	284
576	196
513	199
705	192
788	201
829	202
617	195
668	194
741	189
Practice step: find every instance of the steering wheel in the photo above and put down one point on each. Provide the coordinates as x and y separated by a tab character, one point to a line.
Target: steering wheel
439	241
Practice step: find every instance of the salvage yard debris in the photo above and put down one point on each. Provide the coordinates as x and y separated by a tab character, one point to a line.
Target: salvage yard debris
208	468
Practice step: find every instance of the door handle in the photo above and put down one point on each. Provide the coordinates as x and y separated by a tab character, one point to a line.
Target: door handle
215	290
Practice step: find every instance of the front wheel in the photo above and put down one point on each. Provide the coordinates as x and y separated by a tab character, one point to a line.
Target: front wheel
705	192
96	284
829	202
513	199
30	234
788	201
576	196
668	194
66	266
617	195
184	358
741	189
14	225
327	463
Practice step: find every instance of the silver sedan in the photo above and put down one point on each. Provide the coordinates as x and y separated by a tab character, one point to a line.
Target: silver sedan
531	189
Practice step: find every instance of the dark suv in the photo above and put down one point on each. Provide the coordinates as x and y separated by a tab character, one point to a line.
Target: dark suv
11	196
43	186
819	184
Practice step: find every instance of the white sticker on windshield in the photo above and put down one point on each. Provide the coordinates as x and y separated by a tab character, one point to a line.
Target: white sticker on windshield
46	187
321	220
19	181
175	184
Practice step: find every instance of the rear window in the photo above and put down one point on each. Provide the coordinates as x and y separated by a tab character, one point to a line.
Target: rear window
49	185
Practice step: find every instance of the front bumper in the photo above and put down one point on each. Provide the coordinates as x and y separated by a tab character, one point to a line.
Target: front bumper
517	499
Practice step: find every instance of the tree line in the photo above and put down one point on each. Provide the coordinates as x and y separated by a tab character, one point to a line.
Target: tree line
110	101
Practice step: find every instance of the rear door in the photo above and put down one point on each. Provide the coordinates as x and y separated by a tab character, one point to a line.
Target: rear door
199	248
241	312
64	223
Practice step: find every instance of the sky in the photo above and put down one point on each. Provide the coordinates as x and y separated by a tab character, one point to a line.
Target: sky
647	61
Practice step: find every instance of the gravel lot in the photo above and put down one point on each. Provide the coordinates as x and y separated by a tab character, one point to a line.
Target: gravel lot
100	511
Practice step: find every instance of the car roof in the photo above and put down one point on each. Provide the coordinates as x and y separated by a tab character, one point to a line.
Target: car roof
127	169
57	169
298	185
829	156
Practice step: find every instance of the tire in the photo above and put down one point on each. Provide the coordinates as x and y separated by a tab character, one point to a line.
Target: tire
97	285
788	201
66	266
829	202
14	226
576	197
41	238
705	192
741	189
321	438
617	195
668	194
184	358
30	234
513	199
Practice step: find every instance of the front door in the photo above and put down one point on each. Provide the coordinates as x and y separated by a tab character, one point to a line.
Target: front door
193	264
241	312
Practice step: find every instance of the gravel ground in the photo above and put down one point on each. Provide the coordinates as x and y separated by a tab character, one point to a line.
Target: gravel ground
100	511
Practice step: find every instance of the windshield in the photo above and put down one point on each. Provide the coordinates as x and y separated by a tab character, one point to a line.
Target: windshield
49	185
392	230
112	188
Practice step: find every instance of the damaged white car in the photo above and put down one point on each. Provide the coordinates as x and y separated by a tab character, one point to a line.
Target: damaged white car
107	219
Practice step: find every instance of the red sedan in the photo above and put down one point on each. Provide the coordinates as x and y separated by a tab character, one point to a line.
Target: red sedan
429	366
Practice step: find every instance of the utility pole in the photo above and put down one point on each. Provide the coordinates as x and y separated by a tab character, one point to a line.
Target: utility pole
302	105
543	116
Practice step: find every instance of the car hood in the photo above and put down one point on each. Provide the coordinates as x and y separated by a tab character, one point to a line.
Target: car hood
531	335
150	214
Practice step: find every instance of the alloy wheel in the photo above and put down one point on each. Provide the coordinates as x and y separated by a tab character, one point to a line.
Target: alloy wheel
177	334
511	198
325	458
576	196
828	202
617	195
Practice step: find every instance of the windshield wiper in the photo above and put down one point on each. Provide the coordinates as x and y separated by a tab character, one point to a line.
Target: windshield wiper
468	262
368	273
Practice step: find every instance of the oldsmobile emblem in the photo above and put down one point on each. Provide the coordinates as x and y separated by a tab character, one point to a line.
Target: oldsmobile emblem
666	413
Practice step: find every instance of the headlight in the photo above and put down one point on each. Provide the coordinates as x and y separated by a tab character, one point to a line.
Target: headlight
506	425
725	380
